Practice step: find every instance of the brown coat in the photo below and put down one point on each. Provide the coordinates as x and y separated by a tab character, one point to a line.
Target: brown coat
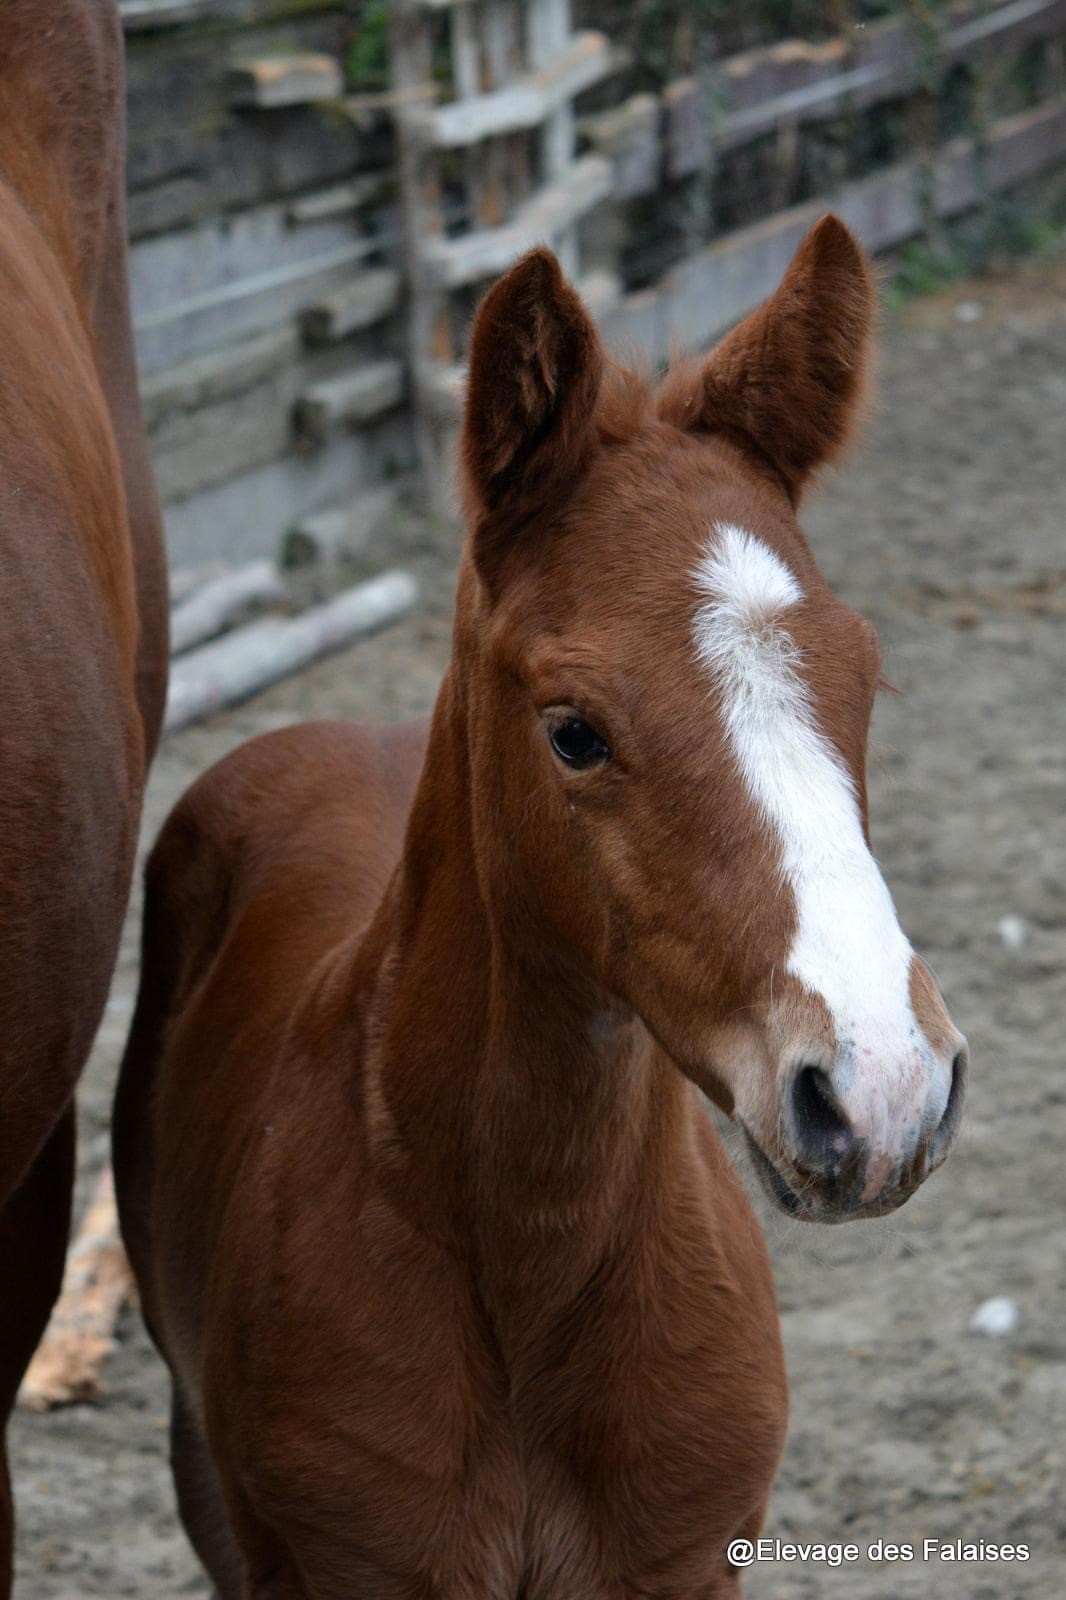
460	1294
83	631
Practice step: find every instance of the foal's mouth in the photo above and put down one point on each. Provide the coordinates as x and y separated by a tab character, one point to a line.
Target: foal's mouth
792	1201
807	1197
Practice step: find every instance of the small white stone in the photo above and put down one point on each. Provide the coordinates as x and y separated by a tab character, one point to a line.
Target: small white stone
969	311
996	1317
1014	932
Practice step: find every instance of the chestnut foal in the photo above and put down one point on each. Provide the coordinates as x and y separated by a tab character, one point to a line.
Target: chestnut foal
83	622
459	1291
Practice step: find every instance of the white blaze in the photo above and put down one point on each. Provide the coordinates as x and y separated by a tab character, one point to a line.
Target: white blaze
848	946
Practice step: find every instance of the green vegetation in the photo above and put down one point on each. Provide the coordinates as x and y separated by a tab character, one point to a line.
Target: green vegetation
366	61
1027	225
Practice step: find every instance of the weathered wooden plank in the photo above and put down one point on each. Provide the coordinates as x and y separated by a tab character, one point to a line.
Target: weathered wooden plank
601	291
231	669
217	375
213	422
144	16
429	331
185	581
190	155
548	213
333	535
182	175
548	29
795	81
195	289
290	79
140	15
466	54
629	136
217	442
220	602
704	295
442	389
342	199
367	299
1013	150
247	515
970	27
687	140
523	104
97	1283
356	396
516	70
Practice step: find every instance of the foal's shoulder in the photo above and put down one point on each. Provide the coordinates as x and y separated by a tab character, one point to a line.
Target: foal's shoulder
313	770
306	823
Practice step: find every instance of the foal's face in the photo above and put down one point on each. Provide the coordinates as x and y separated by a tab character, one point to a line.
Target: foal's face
676	725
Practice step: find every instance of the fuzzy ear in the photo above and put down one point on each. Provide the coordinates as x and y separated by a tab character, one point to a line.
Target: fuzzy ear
789	382
535	367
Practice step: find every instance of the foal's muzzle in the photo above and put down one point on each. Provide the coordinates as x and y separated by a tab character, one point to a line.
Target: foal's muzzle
826	1167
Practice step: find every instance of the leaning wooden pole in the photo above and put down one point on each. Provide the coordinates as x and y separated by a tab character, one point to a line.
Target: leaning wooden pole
251	658
80	1336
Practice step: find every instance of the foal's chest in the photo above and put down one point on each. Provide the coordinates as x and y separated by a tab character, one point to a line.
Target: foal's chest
611	1450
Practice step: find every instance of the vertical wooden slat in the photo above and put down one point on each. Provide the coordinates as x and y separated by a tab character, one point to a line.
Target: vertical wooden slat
429	327
548	33
466	53
506	60
493	44
499	70
469	74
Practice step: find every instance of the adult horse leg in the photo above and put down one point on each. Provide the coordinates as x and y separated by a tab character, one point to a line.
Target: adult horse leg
34	1223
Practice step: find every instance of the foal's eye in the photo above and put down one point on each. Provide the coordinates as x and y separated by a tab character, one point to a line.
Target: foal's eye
578	745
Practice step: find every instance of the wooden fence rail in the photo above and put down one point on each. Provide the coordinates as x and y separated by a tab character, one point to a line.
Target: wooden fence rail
305	260
706	293
655	138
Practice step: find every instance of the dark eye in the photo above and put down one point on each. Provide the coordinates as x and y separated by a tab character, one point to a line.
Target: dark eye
578	744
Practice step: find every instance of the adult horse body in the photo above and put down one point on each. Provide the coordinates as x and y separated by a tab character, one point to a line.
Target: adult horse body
83	634
459	1291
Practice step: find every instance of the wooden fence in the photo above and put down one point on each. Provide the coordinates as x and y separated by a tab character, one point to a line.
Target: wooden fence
305	259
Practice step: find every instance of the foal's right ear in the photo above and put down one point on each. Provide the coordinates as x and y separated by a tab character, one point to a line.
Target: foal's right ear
788	384
535	368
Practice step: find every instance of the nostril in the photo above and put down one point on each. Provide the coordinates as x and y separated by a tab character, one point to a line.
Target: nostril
823	1133
948	1126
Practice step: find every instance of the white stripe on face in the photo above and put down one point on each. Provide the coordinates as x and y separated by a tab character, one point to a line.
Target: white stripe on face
848	946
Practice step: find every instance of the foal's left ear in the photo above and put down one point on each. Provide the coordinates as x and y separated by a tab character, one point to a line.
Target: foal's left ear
788	383
535	368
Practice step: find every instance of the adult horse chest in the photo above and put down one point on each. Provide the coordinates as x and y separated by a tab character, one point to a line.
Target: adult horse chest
458	1289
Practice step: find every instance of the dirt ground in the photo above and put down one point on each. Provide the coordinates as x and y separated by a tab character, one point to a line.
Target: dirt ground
949	530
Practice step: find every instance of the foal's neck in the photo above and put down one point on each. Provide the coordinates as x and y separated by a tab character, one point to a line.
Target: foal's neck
530	1106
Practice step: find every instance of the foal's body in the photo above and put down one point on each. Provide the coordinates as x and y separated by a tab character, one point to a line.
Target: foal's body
82	621
540	1355
460	1294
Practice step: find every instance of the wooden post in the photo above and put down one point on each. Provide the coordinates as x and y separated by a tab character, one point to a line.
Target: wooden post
96	1284
512	84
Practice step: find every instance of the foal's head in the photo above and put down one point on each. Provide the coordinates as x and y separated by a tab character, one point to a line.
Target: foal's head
667	714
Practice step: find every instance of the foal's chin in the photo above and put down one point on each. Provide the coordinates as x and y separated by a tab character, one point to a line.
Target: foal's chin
808	1197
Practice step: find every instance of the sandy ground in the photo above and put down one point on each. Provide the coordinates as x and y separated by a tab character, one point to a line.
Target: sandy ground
950	531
